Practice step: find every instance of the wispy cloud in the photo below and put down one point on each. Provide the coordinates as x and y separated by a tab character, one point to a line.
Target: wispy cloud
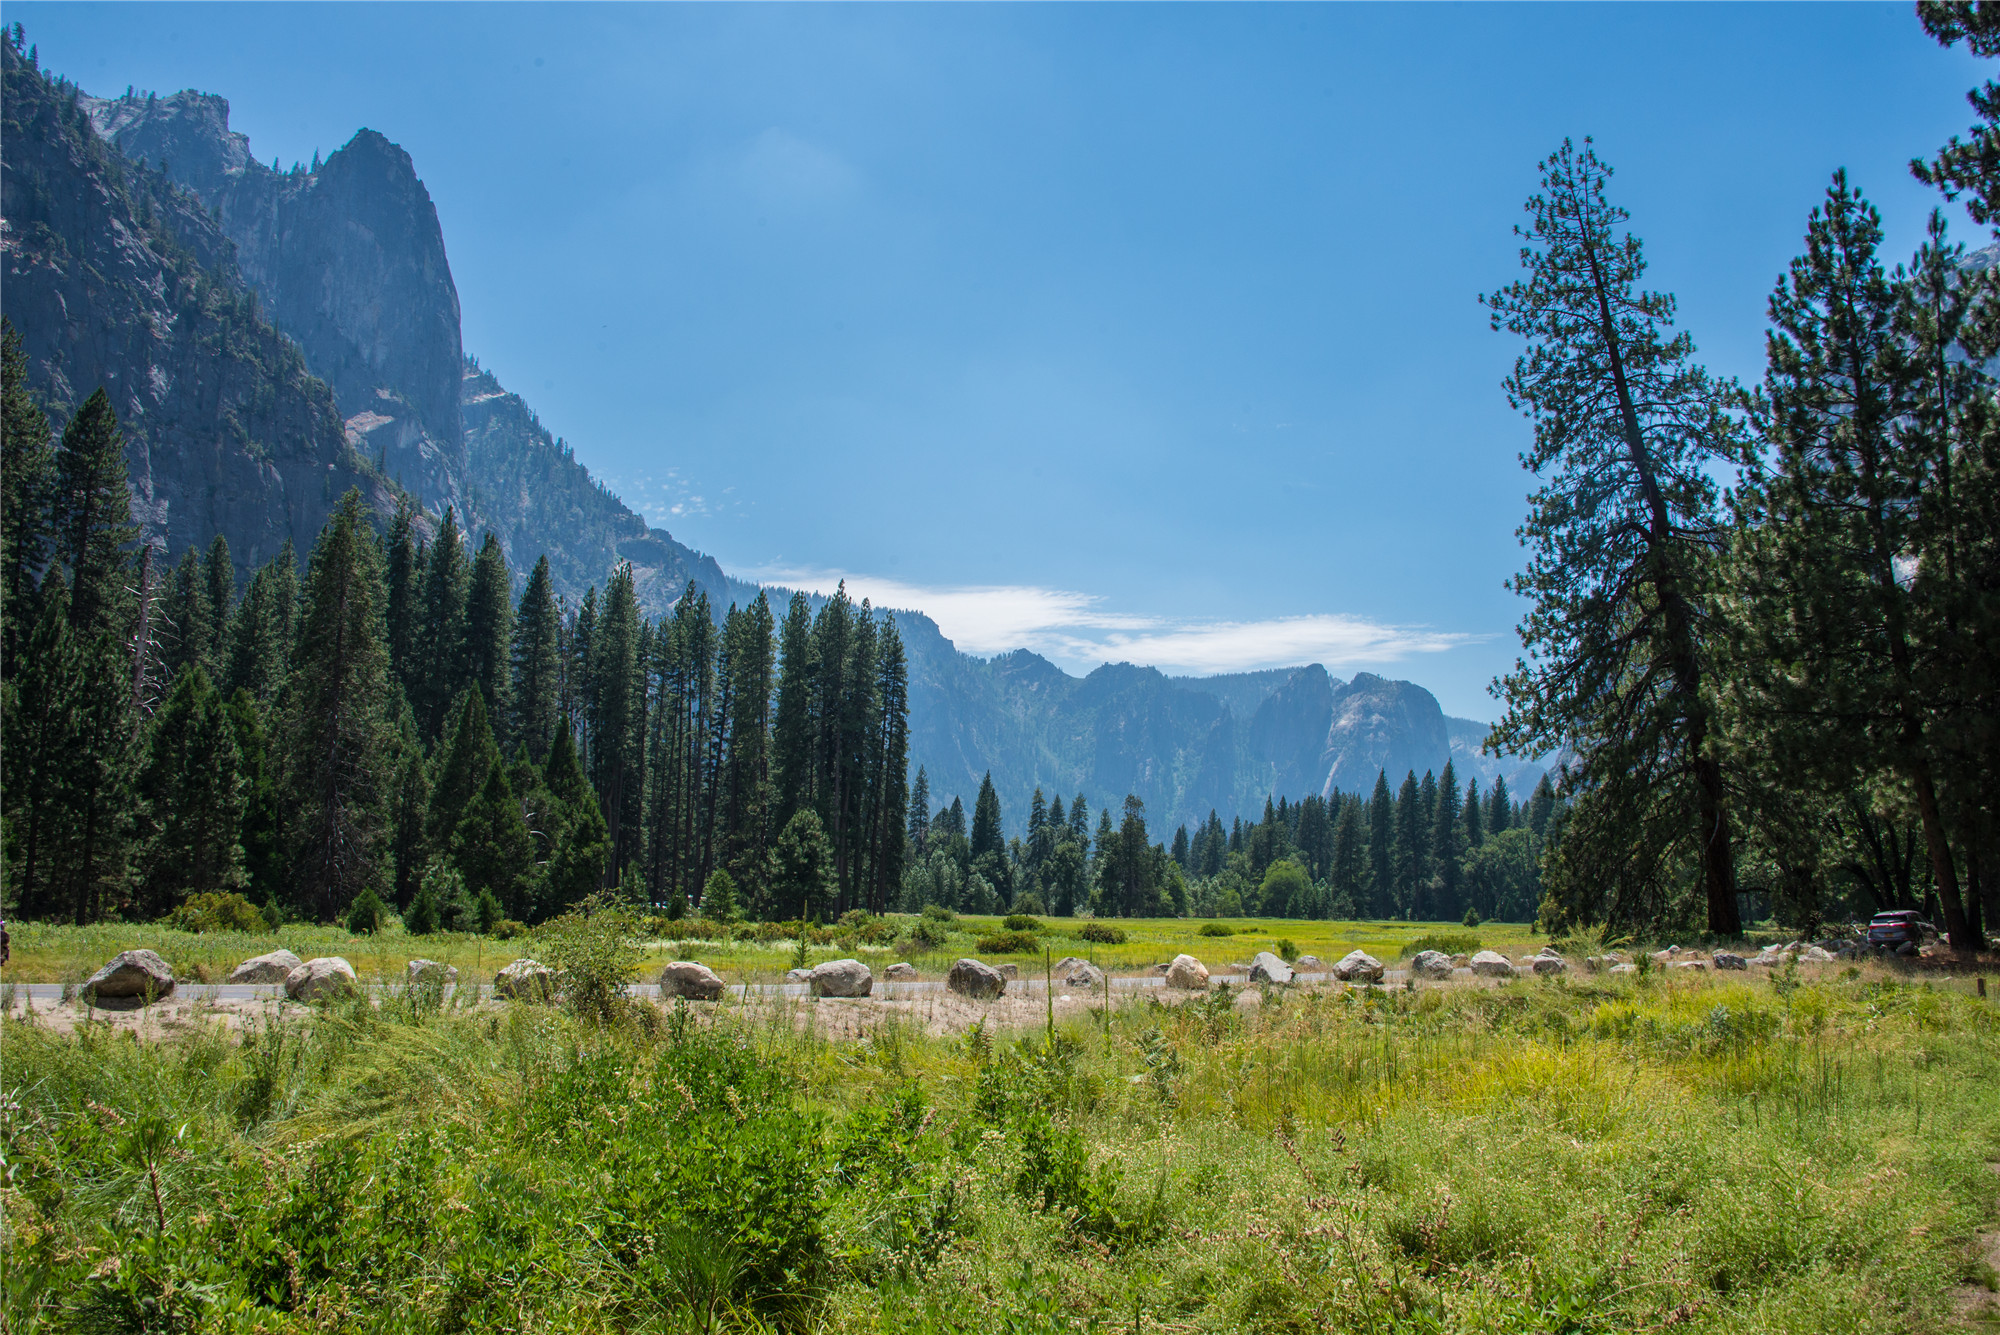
1077	631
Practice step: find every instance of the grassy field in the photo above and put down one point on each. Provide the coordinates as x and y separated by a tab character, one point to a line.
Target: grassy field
53	953
1797	1153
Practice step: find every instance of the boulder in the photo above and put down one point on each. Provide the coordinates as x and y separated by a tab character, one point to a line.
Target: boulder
1908	950
903	972
1461	961
1308	964
320	979
1699	966
1159	970
1010	971
1188	974
421	971
1548	965
1817	955
1268	968
1768	958
1358	966
696	982
1624	968
1431	964
1085	978
970	978
798	975
1065	966
1492	964
132	973
1729	960
525	980
272	968
841	978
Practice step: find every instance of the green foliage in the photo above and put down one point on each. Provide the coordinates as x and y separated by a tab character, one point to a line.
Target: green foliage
938	913
1471	918
1215	929
1445	943
1287	949
1021	922
1102	933
1009	943
364	915
424	915
718	897
593	952
217	911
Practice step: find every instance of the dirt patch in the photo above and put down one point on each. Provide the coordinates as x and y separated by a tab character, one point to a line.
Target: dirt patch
188	1009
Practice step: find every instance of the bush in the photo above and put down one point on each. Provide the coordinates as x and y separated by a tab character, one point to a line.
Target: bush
592	956
1445	943
212	911
1030	903
929	934
1009	943
486	911
1471	916
1021	922
506	929
1288	949
364	915
939	913
1215	929
1102	933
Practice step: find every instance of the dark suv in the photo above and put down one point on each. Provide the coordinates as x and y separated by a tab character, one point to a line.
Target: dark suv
1895	927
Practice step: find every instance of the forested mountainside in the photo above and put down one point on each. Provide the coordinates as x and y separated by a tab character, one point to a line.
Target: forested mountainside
116	277
338	270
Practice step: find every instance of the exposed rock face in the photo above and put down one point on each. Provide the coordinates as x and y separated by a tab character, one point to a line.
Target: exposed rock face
324	978
1358	966
1268	968
525	980
115	278
132	973
841	978
1188	974
970	978
272	968
1431	964
430	971
348	260
696	982
1492	964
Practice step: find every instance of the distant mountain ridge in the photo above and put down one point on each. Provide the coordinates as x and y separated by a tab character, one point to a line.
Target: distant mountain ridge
274	337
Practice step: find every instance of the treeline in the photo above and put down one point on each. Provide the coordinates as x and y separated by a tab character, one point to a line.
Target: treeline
1425	850
1786	693
392	726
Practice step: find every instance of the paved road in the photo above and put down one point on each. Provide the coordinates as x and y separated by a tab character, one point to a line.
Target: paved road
44	993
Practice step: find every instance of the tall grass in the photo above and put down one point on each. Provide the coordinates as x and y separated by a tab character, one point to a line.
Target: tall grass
1548	1155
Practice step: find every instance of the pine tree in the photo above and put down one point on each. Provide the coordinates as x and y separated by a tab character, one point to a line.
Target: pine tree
39	723
618	720
1474	833
1970	168
537	662
920	811
1832	570
1541	806
93	516
1409	847
261	831
579	844
27	490
410	845
885	805
333	727
489	634
220	579
1381	847
718	897
491	846
1627	430
1499	807
469	755
440	650
185	618
93	781
192	795
1347	871
802	877
403	564
986	836
793	750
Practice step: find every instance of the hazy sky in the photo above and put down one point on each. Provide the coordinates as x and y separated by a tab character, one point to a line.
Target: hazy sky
1123	332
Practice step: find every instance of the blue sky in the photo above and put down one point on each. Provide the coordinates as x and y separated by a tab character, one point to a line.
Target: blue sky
1124	332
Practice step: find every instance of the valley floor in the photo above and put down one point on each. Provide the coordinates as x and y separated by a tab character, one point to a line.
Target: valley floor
1808	1150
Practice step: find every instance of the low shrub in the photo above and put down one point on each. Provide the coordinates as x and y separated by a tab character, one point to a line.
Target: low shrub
1009	943
929	934
1102	933
591	951
939	913
1287	949
212	911
1021	922
1445	943
1215	929
364	915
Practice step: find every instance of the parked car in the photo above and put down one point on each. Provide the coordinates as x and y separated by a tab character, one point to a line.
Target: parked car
1897	926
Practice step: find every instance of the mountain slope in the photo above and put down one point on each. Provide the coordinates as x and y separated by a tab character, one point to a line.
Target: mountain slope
116	277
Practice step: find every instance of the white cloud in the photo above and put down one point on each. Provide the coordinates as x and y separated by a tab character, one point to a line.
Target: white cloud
1076	631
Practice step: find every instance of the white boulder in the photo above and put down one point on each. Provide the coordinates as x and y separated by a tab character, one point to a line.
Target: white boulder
323	978
1431	964
132	973
1187	973
971	978
841	978
272	968
1358	966
1268	968
1492	964
525	980
430	971
900	972
696	982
